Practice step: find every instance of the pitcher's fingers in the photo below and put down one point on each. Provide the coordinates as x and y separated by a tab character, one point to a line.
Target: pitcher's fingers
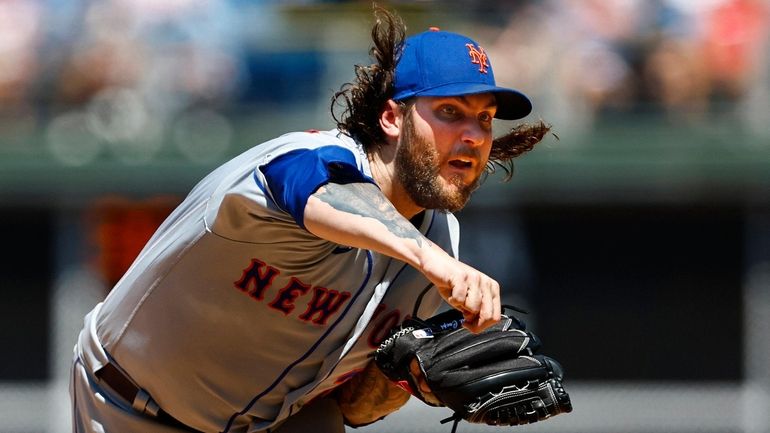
492	301
474	299
458	296
489	292
497	306
486	311
470	322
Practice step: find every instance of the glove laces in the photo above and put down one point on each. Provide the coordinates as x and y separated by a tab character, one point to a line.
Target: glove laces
456	418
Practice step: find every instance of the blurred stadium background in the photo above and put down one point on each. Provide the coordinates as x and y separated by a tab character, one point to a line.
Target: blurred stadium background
639	239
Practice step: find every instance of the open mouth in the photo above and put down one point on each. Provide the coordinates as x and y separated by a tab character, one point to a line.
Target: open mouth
461	163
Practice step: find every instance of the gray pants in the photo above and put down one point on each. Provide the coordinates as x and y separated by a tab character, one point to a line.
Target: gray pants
97	409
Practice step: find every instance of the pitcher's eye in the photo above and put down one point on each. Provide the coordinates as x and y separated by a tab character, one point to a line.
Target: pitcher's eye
449	111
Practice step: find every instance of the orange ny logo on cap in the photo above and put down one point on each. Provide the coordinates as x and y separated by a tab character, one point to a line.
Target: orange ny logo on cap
478	57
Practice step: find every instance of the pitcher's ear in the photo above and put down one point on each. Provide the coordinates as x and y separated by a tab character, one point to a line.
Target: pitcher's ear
391	119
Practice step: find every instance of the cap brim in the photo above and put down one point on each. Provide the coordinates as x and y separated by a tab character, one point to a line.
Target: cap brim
511	104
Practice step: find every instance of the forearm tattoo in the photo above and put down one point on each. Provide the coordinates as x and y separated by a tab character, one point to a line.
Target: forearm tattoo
366	200
369	396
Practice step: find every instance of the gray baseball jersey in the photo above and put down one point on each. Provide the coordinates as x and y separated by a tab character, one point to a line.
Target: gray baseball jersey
234	315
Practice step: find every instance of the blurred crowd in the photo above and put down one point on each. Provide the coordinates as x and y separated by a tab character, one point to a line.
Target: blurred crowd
690	60
137	73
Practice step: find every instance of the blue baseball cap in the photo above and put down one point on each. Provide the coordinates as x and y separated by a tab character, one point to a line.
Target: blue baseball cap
439	63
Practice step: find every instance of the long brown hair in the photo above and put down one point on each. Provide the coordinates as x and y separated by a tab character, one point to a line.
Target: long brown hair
519	140
363	99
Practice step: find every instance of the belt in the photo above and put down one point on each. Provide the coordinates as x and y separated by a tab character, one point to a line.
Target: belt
140	400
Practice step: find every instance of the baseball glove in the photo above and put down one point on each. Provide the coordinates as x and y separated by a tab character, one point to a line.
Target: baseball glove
494	377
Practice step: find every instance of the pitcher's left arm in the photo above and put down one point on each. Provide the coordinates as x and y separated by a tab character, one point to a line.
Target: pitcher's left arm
368	397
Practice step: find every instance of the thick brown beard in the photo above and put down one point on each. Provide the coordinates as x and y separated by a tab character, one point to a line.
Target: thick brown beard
418	167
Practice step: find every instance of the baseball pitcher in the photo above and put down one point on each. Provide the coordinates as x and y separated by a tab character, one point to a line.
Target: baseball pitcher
259	304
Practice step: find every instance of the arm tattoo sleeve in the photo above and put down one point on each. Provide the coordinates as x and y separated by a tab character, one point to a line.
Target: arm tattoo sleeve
366	200
369	396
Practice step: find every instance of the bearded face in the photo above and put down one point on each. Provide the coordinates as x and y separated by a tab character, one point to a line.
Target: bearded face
418	166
